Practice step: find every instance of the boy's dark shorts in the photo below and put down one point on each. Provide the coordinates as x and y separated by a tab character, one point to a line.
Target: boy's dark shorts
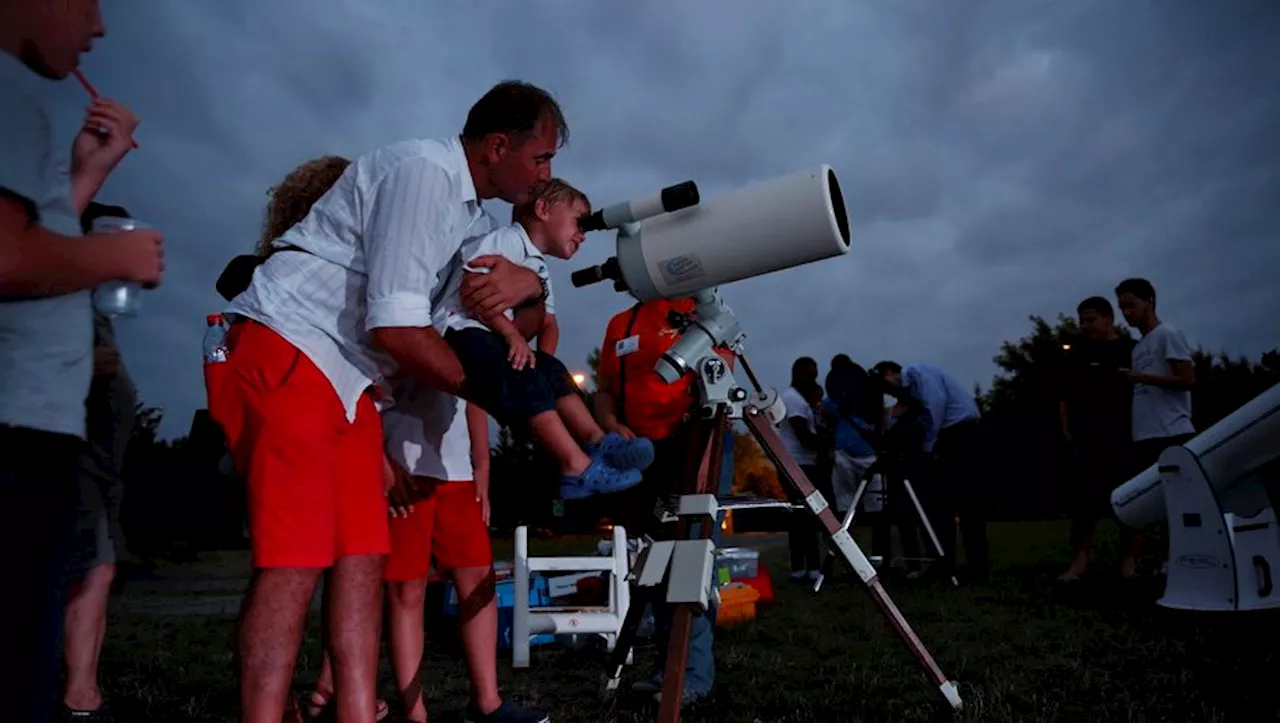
508	395
1101	466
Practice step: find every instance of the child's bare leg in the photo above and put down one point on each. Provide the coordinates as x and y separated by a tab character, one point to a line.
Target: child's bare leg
478	616
578	419
551	433
404	615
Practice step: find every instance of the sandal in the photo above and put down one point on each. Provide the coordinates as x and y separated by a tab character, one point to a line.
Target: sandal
318	708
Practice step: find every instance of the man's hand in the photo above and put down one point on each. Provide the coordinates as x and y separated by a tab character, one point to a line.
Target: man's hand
519	353
106	361
105	138
482	492
618	428
505	286
137	255
395	485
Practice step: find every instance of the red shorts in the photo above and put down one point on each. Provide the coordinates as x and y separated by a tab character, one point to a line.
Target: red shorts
446	523
314	479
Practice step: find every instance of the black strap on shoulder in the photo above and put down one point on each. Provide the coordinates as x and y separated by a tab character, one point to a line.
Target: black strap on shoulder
622	367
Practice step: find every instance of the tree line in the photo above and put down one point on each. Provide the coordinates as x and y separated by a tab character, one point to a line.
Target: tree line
179	501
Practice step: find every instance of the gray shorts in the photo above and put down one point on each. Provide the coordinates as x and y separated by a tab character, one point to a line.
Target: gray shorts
99	536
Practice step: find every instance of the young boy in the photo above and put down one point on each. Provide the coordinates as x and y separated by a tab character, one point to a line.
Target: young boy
438	451
1094	411
46	324
1163	375
511	381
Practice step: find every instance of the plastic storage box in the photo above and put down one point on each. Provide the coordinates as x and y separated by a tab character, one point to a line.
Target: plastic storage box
505	591
741	562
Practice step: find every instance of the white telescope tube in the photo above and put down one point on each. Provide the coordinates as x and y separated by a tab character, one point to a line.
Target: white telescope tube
774	225
1228	452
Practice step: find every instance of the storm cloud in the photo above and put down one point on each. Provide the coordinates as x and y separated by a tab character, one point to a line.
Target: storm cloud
999	159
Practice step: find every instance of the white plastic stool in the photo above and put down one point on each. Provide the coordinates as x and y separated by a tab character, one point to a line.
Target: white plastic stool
604	621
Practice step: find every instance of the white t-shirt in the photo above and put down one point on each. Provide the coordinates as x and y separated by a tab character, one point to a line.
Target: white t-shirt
426	432
511	242
1160	412
797	407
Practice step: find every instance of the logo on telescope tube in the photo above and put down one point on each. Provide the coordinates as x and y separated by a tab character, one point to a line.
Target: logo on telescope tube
1199	562
679	269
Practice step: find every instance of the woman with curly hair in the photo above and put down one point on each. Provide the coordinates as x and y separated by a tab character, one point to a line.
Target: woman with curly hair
290	202
294	197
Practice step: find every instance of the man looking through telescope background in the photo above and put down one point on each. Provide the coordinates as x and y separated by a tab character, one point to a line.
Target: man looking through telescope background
514	384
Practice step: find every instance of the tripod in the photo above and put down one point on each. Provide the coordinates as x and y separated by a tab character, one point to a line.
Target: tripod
678	570
828	566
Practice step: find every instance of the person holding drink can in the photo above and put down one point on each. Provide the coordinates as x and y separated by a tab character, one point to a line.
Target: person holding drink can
47	269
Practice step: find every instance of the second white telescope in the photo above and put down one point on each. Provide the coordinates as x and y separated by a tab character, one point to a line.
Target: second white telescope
1230	453
771	226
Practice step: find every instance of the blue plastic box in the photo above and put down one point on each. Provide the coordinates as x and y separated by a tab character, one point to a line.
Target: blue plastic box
505	591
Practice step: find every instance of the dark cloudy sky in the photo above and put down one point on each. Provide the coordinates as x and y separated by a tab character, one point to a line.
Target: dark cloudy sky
999	158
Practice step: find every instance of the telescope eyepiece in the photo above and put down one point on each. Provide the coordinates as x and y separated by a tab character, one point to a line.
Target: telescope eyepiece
680	196
595	274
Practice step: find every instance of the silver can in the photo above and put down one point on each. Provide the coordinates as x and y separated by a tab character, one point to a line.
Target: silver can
117	298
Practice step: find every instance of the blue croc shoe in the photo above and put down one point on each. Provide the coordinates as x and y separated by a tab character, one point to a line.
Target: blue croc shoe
598	479
622	453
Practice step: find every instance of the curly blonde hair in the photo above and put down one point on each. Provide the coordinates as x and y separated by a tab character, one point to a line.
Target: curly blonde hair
554	192
294	196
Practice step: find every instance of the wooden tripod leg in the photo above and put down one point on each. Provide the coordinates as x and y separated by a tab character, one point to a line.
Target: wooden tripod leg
705	469
791	475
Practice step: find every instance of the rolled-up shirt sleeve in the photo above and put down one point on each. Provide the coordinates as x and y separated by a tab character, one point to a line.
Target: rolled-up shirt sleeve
407	242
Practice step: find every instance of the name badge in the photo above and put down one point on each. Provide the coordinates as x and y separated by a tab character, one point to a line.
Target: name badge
627	346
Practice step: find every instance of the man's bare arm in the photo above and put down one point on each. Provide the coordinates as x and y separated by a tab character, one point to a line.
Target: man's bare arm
502	326
549	335
425	356
478	430
505	286
37	262
807	437
529	319
605	409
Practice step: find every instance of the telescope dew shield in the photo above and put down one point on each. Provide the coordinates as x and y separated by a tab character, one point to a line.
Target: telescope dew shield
1231	454
770	226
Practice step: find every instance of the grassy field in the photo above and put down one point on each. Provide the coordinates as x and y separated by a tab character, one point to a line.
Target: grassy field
1022	648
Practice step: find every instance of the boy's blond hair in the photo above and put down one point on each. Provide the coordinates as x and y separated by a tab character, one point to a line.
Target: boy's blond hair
295	195
554	192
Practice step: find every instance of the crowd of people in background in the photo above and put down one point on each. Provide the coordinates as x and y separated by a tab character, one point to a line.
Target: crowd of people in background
1123	402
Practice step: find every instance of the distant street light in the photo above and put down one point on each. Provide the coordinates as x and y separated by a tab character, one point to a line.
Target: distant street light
579	378
1066	347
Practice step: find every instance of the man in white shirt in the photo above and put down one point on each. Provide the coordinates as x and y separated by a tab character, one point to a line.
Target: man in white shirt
1163	377
799	434
316	337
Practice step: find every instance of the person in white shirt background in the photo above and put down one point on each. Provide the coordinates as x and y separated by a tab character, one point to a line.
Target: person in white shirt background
1163	376
799	434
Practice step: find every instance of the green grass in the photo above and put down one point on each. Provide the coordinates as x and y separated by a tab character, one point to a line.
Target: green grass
1021	648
